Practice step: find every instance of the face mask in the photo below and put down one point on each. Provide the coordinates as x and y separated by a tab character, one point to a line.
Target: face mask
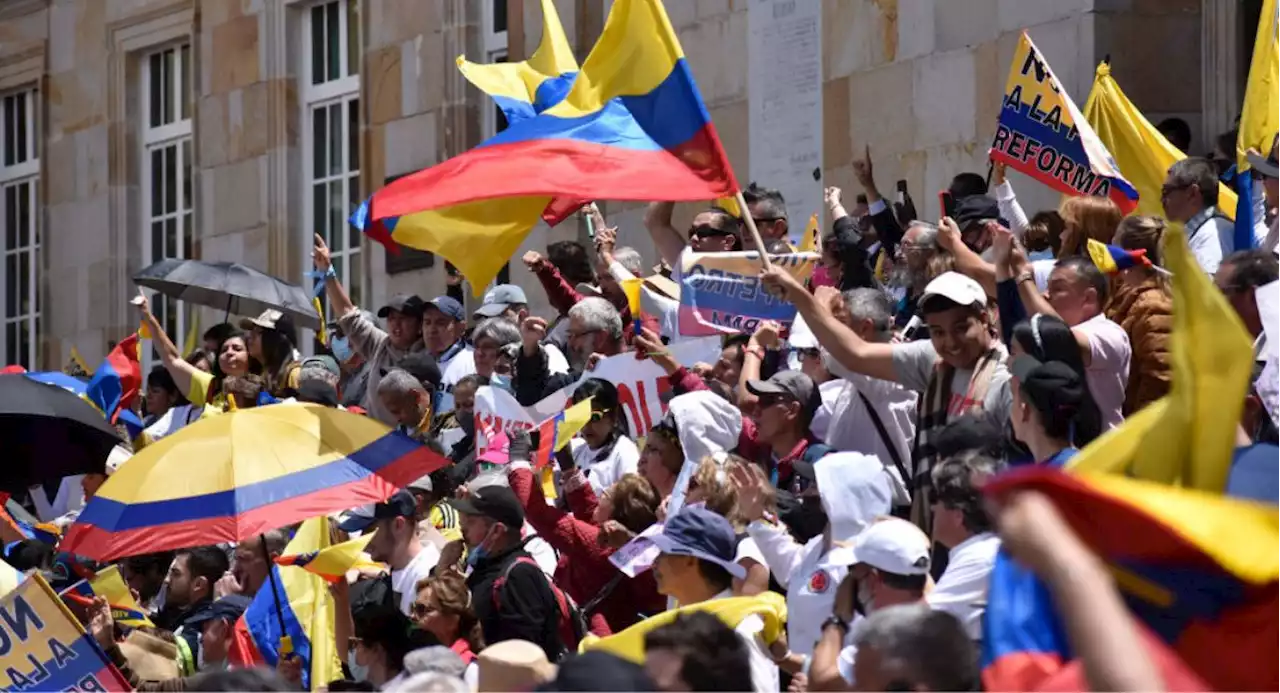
203	664
358	672
502	382
476	555
341	349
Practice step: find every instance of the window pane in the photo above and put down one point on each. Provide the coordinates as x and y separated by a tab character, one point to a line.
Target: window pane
186	174
320	211
154	97
353	201
184	68
11	217
336	204
11	342
499	15
157	241
10	146
11	285
23	196
189	236
157	181
353	37
317	44
171	179
353	135
166	88
24	343
34	109
24	282
333	42
319	118
335	140
171	237
20	127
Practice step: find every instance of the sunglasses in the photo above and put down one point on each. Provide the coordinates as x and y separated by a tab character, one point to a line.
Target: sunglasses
420	610
707	231
808	352
770	400
600	414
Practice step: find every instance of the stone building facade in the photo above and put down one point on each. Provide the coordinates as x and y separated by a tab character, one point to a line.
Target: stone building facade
234	129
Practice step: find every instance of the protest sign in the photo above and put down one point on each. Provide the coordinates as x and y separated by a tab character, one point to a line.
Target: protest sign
1042	134
43	647
641	384
720	293
637	555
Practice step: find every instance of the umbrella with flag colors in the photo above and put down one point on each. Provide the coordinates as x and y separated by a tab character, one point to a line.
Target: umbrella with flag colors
232	477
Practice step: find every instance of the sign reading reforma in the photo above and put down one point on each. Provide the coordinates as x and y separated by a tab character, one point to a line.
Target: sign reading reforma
784	102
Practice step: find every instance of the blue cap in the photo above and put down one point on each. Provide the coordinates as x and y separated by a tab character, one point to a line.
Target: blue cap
449	306
700	533
498	298
230	607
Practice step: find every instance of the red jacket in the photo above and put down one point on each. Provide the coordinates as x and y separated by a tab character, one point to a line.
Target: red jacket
584	568
562	296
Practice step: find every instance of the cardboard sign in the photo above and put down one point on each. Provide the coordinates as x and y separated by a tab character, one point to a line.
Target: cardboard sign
44	648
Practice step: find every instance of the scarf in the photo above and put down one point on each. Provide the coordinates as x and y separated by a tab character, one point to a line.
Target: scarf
933	417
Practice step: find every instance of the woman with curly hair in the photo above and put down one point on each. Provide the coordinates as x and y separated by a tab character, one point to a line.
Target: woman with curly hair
443	608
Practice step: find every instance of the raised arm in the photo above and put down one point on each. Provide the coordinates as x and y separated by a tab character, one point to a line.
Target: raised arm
765	337
339	301
844	345
1008	201
169	354
968	262
669	242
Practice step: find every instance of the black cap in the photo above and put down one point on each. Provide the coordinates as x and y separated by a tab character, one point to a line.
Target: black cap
1053	387
1265	166
793	384
409	304
422	366
497	503
230	607
976	208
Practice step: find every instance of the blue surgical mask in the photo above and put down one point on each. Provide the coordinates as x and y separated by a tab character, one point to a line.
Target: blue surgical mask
341	349
502	382
358	672
476	555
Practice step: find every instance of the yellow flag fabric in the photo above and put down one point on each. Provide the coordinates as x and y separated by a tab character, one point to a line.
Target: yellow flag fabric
1188	437
809	242
79	361
323	334
628	644
514	84
1260	120
730	205
332	562
1142	153
631	287
109	584
311	602
193	334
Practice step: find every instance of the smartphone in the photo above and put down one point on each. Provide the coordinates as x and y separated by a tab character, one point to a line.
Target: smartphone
947	203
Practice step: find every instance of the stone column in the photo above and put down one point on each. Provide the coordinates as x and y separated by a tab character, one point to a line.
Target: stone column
1219	69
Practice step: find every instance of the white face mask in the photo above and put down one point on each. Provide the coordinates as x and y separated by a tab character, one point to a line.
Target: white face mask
358	672
203	664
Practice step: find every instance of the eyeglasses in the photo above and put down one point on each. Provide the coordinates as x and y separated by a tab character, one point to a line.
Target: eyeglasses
808	352
576	335
420	610
489	349
1166	189
765	220
770	400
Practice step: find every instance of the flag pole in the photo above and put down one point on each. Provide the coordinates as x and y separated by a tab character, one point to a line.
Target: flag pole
755	233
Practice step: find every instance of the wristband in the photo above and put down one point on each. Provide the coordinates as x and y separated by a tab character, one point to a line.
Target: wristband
1026	276
755	351
834	620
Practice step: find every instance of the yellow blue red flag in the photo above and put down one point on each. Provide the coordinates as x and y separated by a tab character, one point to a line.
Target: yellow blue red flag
332	562
557	431
632	127
110	585
302	602
1042	134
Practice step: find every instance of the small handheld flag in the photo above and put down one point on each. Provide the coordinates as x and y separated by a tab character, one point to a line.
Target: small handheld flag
555	432
1111	259
331	562
809	242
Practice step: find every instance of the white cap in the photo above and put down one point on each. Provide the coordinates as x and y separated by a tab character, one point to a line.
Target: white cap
957	288
422	483
894	546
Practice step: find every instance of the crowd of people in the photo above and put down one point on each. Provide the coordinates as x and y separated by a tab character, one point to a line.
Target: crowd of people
837	462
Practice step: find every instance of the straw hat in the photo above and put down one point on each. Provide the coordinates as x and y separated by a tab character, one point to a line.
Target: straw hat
151	658
514	665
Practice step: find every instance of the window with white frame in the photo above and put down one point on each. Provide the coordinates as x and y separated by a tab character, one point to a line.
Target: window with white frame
331	143
19	195
167	203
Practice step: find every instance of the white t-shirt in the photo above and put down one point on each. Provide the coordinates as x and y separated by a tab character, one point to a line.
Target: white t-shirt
852	429
623	458
749	549
1108	371
764	673
962	589
556	362
404	581
459	366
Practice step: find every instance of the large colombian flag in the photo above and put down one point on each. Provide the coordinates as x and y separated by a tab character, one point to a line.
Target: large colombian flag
632	127
231	477
117	381
1197	569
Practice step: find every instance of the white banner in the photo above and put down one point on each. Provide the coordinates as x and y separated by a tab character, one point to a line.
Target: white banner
641	385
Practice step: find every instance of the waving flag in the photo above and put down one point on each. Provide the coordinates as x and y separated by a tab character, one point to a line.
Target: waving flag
331	562
529	87
557	431
1138	147
1258	122
116	383
1042	134
1198	570
1186	438
301	601
1111	259
110	585
632	127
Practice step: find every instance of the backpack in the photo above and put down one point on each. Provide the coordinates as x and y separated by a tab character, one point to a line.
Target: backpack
571	625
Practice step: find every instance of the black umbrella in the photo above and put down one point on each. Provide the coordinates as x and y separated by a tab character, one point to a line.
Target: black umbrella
47	433
229	286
